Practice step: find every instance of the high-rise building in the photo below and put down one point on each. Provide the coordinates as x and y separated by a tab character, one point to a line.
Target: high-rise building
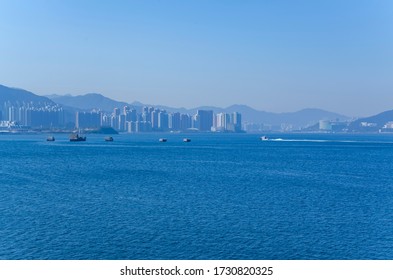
174	121
222	121
237	121
154	119
163	121
228	122
204	120
12	114
185	122
88	120
131	115
106	120
122	122
126	109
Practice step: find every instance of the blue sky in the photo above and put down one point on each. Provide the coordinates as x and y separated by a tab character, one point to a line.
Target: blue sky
273	55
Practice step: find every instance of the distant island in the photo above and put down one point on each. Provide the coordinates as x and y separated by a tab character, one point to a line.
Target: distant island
25	111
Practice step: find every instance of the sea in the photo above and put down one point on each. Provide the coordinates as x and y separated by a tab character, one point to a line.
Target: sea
220	196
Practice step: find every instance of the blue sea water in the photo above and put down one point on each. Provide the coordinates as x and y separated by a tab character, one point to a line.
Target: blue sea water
220	196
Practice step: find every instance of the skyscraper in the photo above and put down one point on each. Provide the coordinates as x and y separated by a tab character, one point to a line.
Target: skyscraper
163	121
204	120
88	120
237	121
174	121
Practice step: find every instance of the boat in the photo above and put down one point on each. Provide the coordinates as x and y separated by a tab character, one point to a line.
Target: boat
162	139
264	138
77	138
186	140
50	138
108	139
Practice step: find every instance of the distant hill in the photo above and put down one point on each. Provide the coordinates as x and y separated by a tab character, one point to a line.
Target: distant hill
298	119
373	123
88	102
19	97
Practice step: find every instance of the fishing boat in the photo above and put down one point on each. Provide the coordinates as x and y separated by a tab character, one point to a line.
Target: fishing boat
186	140
162	140
50	138
108	139
77	138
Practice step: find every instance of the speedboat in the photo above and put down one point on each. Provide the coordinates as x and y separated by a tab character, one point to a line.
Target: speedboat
264	138
186	140
162	139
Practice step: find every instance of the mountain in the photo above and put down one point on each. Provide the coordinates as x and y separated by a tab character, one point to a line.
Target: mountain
88	102
298	119
310	116
17	96
373	123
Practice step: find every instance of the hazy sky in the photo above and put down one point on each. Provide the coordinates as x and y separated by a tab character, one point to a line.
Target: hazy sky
272	55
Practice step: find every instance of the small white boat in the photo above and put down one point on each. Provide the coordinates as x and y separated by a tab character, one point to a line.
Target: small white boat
162	139
264	138
186	140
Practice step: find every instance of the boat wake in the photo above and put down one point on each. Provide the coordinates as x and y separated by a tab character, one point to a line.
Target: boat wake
301	140
320	141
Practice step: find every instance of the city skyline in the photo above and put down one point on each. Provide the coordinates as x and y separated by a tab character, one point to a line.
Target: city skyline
275	56
24	109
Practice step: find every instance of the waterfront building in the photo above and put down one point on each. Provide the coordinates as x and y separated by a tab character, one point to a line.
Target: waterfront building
185	122
163	121
237	121
228	122
12	114
88	120
325	125
222	121
174	121
122	123
154	119
131	115
204	120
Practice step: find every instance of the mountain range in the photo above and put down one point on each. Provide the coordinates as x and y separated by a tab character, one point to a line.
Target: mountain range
298	119
16	96
87	102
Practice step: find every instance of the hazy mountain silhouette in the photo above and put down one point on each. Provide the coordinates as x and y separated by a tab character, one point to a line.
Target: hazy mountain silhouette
19	97
379	120
88	102
298	119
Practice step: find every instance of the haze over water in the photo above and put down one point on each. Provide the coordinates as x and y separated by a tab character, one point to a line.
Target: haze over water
219	196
